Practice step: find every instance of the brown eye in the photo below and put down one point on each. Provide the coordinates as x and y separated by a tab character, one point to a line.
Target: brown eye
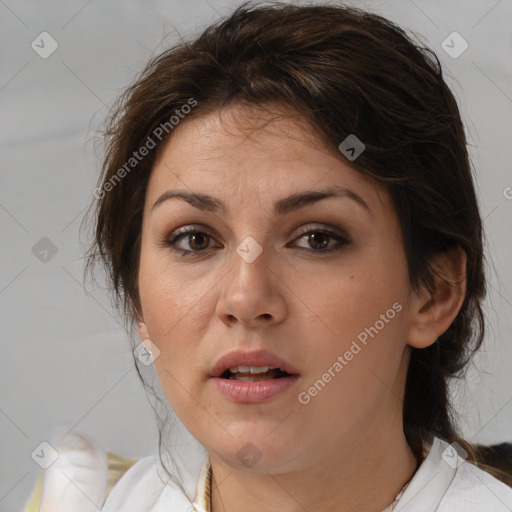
188	241
318	240
198	241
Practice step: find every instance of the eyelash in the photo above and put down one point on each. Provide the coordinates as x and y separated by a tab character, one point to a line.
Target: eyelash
180	233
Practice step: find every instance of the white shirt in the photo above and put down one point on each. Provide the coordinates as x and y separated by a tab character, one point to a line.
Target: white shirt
76	481
444	482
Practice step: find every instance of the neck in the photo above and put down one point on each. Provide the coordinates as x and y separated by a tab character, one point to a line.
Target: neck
358	476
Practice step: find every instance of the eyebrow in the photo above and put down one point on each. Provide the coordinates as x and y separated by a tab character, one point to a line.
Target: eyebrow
282	207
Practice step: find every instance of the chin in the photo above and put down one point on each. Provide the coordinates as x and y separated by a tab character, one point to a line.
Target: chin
256	453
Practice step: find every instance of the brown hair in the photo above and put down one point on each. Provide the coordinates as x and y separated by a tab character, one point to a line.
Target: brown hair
346	71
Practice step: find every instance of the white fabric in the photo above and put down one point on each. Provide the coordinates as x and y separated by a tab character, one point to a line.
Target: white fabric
436	487
457	487
441	484
77	480
145	487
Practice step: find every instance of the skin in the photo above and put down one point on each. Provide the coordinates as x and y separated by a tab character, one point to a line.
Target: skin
345	450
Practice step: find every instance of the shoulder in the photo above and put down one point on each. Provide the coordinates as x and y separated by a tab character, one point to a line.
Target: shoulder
86	475
478	489
445	482
147	486
83	471
138	486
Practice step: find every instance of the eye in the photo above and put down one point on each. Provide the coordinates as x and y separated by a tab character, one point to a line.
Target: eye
319	238
197	240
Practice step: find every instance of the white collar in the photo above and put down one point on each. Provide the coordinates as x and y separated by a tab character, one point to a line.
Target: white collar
443	483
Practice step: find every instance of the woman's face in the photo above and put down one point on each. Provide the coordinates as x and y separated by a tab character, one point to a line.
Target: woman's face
273	276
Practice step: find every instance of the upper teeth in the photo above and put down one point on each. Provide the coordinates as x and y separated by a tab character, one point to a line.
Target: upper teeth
251	369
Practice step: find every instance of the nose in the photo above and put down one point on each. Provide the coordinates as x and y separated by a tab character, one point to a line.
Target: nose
252	293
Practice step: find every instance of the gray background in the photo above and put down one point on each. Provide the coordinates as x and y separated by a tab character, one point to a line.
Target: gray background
65	358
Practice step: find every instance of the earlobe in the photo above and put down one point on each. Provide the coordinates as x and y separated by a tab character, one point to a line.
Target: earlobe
433	312
143	332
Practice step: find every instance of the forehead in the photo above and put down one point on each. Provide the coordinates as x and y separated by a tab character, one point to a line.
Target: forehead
253	153
230	132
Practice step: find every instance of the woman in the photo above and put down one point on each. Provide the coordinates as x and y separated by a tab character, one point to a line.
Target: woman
287	212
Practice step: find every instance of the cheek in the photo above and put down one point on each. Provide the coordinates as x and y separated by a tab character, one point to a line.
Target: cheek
349	303
166	296
363	315
177	310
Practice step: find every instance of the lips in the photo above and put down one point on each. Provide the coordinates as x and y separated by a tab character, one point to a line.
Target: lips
255	359
253	377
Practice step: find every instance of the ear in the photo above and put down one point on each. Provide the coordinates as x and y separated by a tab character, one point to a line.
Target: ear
143	331
433	312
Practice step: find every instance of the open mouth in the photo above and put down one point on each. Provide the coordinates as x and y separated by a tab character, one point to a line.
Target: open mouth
253	373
